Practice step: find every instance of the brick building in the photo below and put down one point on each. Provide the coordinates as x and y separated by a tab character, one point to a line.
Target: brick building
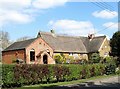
40	50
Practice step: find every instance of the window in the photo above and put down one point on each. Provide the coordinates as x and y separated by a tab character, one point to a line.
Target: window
70	54
81	54
48	51
32	55
106	54
105	46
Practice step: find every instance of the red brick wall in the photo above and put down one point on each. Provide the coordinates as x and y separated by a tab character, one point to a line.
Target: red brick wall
38	45
9	56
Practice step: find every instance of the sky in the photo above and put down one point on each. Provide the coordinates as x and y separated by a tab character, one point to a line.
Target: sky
76	18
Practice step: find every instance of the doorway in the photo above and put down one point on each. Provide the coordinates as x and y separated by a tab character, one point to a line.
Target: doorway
45	59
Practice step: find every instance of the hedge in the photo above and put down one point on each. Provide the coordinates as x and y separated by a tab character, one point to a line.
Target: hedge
29	74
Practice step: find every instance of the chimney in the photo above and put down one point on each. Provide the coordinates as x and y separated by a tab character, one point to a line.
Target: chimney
38	35
52	31
91	36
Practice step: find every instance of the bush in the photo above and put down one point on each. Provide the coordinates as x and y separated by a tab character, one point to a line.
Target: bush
83	61
110	59
58	59
95	58
74	71
117	61
117	70
60	72
110	68
99	69
85	72
29	74
8	75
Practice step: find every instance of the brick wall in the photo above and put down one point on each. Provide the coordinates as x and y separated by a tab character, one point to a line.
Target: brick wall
38	45
10	56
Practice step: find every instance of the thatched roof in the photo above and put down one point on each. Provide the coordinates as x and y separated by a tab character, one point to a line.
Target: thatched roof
64	43
61	43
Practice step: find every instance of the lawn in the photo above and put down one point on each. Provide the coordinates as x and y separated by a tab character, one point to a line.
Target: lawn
54	85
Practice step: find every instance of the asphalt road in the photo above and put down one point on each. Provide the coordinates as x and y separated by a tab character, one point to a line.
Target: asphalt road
106	83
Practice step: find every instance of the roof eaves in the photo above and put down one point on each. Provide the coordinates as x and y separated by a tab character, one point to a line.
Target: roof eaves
13	49
7	49
70	51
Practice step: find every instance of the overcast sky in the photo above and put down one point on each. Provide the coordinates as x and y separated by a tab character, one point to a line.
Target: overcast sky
27	17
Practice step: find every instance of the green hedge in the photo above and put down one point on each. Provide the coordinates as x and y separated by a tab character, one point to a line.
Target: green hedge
29	74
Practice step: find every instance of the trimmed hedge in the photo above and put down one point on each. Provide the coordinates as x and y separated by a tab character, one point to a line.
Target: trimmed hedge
8	75
29	74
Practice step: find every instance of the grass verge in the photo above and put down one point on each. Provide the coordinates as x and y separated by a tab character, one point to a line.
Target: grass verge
53	85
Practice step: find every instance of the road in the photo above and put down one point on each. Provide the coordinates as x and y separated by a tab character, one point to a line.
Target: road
106	83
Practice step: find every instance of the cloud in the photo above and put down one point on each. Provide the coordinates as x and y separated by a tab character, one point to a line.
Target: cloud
105	14
14	4
24	11
72	27
111	25
45	4
12	11
14	16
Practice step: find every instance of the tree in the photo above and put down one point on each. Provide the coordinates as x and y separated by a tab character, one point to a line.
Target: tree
115	45
4	39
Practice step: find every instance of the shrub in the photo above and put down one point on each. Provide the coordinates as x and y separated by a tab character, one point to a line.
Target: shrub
31	74
71	59
74	71
84	61
85	72
117	61
95	58
92	71
58	59
110	59
110	68
60	72
27	74
7	76
99	69
117	70
88	67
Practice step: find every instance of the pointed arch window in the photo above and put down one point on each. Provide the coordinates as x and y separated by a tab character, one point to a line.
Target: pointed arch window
32	55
